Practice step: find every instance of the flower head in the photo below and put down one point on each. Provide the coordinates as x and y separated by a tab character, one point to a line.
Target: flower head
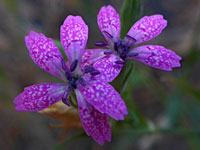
96	98
119	50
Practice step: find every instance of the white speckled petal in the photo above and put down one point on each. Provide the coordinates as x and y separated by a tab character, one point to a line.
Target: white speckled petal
109	21
44	53
90	56
39	96
94	123
147	28
104	98
73	35
109	70
157	57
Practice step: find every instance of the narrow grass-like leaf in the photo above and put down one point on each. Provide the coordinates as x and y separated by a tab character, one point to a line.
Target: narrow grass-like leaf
130	13
57	42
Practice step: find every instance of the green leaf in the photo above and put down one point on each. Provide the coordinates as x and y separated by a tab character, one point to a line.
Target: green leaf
57	42
130	13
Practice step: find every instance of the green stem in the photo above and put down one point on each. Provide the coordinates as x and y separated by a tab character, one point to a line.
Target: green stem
120	83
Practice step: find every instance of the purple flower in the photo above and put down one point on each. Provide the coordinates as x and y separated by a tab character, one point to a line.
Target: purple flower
96	98
111	60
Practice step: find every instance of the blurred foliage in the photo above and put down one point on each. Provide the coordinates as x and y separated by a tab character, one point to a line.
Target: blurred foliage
185	87
71	140
12	5
161	104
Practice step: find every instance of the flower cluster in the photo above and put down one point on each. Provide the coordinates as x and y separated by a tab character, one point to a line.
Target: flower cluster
88	72
118	50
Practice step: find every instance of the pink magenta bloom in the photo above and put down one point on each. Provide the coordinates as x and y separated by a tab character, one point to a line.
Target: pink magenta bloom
111	60
96	98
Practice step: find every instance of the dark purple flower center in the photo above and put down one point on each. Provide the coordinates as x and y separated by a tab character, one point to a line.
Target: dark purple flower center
74	80
122	46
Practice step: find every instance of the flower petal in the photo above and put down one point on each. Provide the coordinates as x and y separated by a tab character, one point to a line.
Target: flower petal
90	56
157	57
74	35
44	53
109	21
95	123
104	98
147	28
39	96
109	70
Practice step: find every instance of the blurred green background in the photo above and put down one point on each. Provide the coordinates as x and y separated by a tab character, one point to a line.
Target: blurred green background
164	107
